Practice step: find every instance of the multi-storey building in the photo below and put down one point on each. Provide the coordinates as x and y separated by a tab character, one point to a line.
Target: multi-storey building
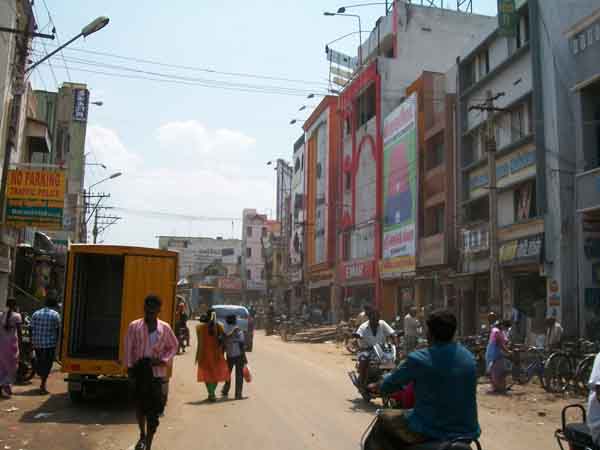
405	43
197	253
418	196
501	67
254	231
296	238
322	133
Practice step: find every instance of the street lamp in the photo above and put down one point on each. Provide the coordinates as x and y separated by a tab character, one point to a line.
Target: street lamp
330	14
112	177
293	121
98	103
342	9
92	27
96	164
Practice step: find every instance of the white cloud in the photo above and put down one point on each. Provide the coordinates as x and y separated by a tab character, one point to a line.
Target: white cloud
191	170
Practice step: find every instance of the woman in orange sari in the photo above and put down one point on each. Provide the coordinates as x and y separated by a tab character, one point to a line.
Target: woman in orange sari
212	367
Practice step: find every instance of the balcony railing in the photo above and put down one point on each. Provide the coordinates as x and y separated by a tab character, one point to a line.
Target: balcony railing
475	239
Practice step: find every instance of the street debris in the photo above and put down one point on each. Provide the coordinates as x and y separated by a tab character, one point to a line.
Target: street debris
315	336
11	409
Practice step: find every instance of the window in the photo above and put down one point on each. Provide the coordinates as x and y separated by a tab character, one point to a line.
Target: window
264	232
524	201
262	274
484	63
435	155
366	105
249	231
346	246
517	123
248	274
434	220
297	165
348	180
249	252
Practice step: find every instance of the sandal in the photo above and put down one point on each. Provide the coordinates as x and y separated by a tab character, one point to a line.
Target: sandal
141	444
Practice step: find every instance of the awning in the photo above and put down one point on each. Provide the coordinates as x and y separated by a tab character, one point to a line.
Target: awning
38	136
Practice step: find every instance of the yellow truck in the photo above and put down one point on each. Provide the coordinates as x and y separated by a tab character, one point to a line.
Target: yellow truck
104	291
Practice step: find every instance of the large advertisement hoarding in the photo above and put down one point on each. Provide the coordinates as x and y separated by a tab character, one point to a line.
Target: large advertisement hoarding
35	198
400	189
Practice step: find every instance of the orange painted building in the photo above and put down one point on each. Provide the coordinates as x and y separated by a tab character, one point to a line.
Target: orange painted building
322	133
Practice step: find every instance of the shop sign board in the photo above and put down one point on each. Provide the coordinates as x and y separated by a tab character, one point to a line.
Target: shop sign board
354	270
528	249
400	185
508	19
35	198
81	98
230	284
341	59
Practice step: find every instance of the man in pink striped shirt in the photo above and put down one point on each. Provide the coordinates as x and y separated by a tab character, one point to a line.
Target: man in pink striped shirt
150	346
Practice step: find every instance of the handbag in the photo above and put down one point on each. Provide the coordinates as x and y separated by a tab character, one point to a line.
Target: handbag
247	375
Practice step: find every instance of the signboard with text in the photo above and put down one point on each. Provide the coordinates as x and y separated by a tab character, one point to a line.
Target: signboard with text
230	284
357	270
81	98
508	19
400	186
35	198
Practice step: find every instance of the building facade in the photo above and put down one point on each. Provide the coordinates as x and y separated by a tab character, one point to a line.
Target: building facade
405	43
322	131
197	253
296	238
254	229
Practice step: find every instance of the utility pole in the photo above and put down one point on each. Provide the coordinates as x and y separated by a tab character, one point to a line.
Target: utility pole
95	229
491	146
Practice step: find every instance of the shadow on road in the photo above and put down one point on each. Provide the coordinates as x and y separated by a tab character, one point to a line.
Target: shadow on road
101	411
359	405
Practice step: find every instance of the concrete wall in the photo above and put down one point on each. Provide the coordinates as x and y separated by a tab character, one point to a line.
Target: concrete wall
560	71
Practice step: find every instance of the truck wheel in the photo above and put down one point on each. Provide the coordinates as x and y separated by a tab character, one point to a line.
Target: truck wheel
76	392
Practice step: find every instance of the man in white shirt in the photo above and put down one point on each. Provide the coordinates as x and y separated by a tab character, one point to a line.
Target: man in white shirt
411	330
593	413
371	333
554	332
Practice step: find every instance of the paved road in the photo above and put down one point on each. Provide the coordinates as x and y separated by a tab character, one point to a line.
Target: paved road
300	398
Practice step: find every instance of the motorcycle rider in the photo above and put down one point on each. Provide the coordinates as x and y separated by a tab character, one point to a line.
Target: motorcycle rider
445	380
371	333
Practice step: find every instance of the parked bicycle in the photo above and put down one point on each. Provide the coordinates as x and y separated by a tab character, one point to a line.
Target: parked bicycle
571	366
527	363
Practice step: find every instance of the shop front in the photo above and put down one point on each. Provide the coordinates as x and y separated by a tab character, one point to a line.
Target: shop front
524	289
320	291
357	280
398	289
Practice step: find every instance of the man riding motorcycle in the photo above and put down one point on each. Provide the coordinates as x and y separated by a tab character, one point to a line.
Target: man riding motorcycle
445	380
371	333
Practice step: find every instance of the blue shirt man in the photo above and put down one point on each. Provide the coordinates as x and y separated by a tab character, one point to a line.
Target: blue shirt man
45	328
445	384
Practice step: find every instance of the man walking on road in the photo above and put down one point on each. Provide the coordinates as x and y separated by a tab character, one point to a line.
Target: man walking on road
45	326
236	355
150	346
411	330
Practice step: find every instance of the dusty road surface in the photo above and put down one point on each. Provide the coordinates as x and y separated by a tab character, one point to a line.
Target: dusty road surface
300	398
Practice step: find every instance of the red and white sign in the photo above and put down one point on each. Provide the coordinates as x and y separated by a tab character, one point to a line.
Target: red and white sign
230	284
354	270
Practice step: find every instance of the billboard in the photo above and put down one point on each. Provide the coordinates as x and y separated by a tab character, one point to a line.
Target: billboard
400	188
35	198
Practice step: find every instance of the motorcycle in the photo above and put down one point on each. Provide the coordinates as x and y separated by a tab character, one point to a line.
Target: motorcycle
26	365
382	360
380	435
183	337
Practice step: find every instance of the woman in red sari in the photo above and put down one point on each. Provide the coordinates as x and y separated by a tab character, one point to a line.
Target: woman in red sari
212	367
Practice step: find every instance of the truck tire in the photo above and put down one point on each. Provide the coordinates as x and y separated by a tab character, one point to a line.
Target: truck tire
75	396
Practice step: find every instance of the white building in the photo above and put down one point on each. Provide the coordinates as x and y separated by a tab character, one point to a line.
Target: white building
255	227
195	253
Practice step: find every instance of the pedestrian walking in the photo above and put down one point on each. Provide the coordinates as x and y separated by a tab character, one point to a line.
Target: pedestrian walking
150	346
593	412
45	327
495	356
10	335
236	355
411	330
212	367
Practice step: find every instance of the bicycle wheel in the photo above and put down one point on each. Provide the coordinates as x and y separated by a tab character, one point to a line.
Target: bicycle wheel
558	372
582	374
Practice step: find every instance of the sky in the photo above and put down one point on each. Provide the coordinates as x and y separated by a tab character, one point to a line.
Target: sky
194	155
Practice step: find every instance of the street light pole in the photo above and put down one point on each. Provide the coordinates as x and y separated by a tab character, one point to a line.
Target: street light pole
330	14
21	70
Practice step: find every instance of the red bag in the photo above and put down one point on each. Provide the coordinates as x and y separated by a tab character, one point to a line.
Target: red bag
247	374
